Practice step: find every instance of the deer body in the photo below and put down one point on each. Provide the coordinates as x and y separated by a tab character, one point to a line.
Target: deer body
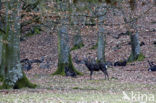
96	67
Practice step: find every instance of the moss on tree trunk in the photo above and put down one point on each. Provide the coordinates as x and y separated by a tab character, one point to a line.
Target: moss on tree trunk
77	46
139	57
61	68
77	39
1	78
21	83
136	54
13	75
64	57
1	37
75	19
1	71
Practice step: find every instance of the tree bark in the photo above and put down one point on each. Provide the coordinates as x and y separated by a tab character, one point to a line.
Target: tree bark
14	77
1	37
0	4
135	44
135	48
77	39
1	44
136	54
64	57
75	19
101	15
101	45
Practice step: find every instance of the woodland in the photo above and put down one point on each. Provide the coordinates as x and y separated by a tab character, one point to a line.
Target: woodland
77	51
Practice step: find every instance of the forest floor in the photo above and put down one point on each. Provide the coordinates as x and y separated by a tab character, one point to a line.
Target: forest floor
58	89
133	79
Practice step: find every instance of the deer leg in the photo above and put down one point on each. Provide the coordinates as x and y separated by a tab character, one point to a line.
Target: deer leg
91	72
106	74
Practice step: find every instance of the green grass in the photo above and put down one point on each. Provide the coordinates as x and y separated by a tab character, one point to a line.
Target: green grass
61	98
59	89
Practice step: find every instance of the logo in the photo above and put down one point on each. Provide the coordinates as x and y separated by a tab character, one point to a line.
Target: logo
138	97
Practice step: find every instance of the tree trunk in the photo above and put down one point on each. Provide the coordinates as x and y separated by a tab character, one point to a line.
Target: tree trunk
1	36
77	39
101	45
75	19
14	77
0	4
135	48
101	13
1	72
64	57
135	44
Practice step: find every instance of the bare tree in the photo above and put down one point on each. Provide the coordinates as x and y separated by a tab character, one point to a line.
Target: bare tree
65	64
132	27
128	9
101	16
14	77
